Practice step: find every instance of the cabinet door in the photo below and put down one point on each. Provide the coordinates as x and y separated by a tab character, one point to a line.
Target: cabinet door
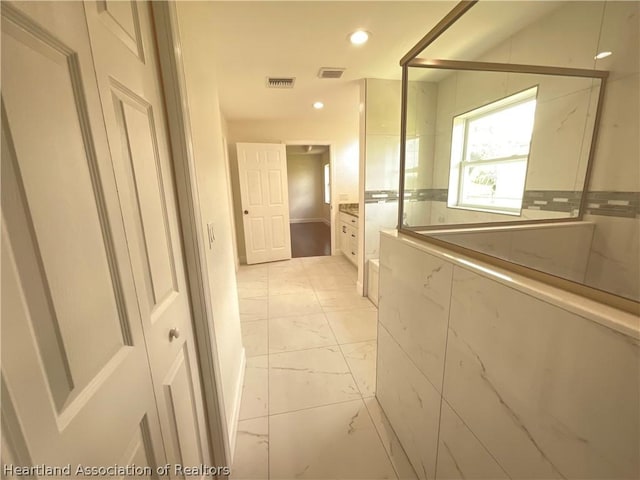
344	238
352	234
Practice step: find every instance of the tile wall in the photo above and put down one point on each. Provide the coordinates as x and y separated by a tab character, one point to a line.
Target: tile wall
481	377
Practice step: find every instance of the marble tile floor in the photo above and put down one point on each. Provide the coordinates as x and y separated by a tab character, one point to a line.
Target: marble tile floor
308	404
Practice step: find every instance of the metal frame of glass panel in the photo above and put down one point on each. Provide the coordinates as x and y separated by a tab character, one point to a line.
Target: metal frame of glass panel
411	60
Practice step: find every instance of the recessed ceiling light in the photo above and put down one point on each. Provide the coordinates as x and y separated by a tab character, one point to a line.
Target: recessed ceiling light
602	55
359	37
318	105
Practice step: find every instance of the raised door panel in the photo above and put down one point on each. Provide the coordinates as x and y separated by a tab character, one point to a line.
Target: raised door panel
121	18
276	189
278	226
140	149
72	339
258	234
254	188
80	282
139	452
180	394
133	106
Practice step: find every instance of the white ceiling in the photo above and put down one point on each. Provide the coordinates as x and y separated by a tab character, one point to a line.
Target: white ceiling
254	40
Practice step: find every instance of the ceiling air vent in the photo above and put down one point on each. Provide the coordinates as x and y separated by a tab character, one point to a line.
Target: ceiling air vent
326	72
280	82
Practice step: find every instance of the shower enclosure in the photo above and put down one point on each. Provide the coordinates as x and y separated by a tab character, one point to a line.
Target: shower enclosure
509	337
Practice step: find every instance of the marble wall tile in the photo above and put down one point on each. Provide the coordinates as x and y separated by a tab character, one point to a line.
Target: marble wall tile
361	358
614	260
383	162
383	107
460	454
578	39
556	141
561	251
299	332
378	216
251	459
344	444
491	243
616	165
390	441
309	378
549	394
475	89
414	304
426	107
620	35
442	157
255	391
417	213
410	402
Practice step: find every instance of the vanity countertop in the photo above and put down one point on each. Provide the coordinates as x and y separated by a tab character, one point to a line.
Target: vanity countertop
349	209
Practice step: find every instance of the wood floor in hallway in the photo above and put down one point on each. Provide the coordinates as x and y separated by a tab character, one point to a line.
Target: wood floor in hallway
311	239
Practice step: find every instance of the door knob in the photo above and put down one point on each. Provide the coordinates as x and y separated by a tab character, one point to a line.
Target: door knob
246	212
174	333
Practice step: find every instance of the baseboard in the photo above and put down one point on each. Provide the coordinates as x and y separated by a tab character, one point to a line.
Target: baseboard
326	222
307	220
233	428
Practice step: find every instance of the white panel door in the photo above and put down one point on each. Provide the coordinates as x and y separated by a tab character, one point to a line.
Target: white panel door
76	383
125	58
262	168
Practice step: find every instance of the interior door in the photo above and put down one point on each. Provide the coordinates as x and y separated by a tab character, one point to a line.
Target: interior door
262	168
76	385
127	70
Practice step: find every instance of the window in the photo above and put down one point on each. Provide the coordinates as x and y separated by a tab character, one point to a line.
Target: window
489	154
327	184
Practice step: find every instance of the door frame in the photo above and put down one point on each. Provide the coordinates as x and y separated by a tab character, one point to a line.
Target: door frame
169	46
332	210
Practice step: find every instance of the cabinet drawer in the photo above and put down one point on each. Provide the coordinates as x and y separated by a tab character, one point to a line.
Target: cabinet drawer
353	245
349	219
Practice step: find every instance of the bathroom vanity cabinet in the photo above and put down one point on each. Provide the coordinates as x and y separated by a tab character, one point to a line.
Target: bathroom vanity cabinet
349	236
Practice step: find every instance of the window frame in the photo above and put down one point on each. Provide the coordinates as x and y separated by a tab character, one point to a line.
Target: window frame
459	153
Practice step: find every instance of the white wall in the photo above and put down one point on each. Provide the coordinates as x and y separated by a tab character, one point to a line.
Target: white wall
194	21
306	187
382	152
341	133
326	207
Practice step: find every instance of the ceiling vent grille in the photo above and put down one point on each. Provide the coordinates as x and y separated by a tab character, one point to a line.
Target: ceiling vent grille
326	72
281	82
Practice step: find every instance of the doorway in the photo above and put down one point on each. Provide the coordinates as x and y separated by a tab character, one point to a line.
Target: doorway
309	185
